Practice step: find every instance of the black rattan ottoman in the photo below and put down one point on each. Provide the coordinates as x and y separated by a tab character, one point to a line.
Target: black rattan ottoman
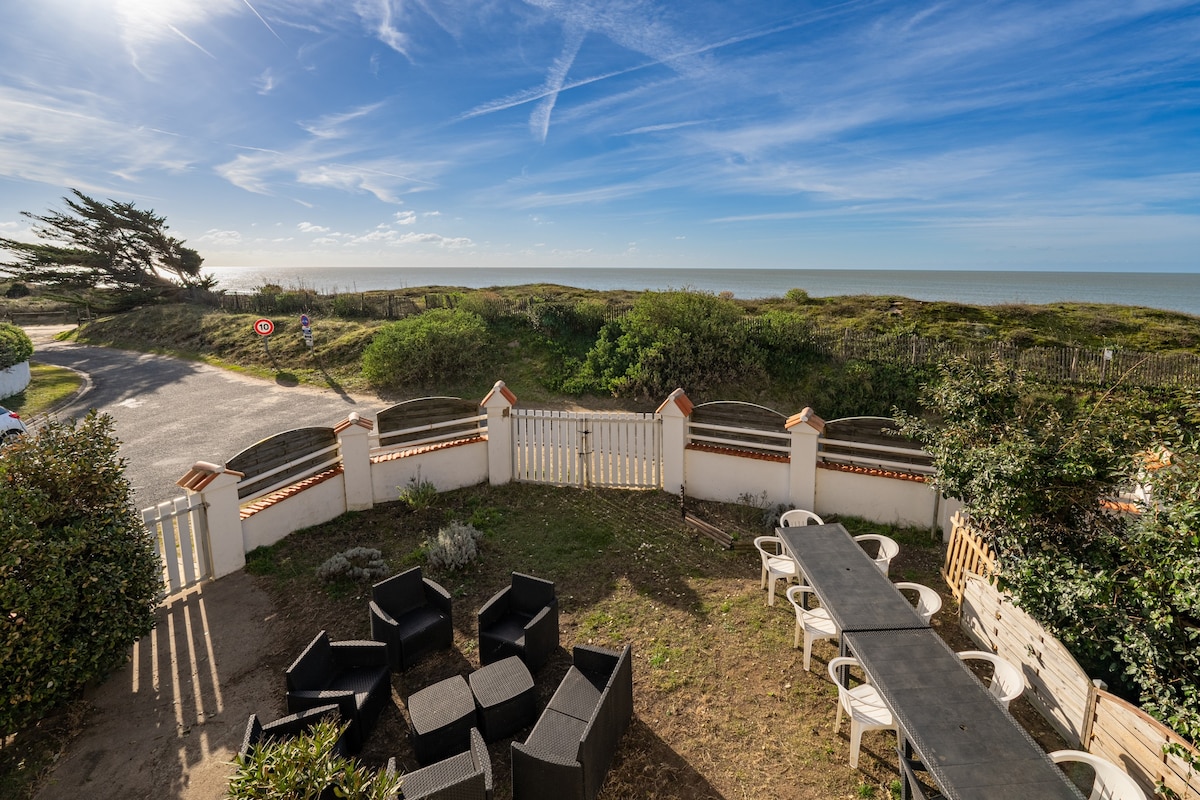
505	700
441	716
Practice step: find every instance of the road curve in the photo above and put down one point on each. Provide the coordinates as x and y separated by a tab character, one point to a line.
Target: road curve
170	413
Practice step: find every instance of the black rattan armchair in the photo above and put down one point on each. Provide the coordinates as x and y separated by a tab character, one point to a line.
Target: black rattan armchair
353	675
410	614
520	620
465	776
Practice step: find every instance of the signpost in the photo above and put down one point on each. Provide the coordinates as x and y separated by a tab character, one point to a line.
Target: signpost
264	328
308	340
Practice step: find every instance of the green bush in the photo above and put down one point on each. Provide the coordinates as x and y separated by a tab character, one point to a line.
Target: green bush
435	347
15	346
307	768
672	339
79	576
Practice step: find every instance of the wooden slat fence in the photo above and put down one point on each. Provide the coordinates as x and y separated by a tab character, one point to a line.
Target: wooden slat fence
1124	734
740	426
429	420
967	553
872	442
284	459
179	529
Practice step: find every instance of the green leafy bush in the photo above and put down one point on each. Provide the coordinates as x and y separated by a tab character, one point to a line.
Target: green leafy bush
306	767
79	576
15	346
438	346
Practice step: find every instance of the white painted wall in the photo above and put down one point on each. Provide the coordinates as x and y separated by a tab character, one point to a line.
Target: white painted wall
888	501
314	505
448	468
712	476
14	379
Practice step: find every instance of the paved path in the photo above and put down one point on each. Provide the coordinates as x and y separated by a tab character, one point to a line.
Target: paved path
169	413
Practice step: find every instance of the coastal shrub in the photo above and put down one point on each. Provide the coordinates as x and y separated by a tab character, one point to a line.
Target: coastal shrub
667	340
488	306
17	290
418	494
454	547
15	346
308	766
441	345
79	576
355	564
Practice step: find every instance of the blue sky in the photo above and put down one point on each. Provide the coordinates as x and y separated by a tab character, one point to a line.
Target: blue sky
957	135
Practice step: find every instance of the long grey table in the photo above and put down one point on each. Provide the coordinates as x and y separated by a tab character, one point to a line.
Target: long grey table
969	744
857	595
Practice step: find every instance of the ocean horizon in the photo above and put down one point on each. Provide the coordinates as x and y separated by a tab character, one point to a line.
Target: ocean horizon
1168	291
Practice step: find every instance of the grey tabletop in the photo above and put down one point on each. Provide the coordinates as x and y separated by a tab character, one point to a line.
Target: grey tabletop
858	596
969	743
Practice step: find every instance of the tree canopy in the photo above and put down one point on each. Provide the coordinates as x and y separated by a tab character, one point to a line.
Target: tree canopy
107	245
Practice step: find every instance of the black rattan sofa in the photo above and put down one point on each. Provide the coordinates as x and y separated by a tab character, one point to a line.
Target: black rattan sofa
571	746
353	675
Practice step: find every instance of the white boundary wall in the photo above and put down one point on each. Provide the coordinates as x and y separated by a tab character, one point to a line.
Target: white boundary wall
365	476
14	379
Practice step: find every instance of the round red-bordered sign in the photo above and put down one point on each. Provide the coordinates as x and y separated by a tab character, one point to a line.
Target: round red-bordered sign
264	327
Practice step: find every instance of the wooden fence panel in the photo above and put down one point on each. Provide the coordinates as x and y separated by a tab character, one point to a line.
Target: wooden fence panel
290	447
1126	735
1056	685
967	553
415	420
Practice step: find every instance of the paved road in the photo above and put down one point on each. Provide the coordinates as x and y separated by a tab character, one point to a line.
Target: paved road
170	413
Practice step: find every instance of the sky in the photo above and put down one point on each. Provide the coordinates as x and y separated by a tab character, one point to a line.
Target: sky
618	133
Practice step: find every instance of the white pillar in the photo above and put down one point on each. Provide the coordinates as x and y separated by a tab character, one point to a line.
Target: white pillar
806	428
218	488
354	441
499	404
674	413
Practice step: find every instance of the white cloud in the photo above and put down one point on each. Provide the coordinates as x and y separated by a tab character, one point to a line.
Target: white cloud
265	82
308	227
220	238
405	217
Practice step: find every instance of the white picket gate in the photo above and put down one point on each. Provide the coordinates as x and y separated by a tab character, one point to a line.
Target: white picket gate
569	448
179	528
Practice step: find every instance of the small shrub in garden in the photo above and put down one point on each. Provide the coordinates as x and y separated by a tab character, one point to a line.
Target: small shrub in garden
307	767
442	345
356	564
15	346
419	494
454	547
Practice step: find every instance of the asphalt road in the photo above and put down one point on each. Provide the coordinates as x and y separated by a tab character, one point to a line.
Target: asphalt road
169	413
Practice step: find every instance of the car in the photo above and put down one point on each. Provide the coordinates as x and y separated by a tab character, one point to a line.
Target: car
10	425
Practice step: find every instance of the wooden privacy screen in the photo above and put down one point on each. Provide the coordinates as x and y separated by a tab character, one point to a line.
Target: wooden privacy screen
966	553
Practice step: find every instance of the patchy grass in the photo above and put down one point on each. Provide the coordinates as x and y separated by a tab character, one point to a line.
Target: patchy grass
48	386
723	708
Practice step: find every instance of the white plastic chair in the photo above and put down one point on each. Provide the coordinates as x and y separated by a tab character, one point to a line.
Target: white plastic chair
929	602
776	564
862	704
811	623
888	549
797	517
1007	682
1111	782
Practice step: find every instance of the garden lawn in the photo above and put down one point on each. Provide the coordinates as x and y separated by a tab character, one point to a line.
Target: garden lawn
722	705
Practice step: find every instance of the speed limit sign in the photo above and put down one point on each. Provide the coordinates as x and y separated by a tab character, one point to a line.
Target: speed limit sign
264	327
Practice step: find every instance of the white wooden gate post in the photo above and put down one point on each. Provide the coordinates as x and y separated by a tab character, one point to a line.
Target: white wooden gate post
354	442
218	487
806	428
498	404
674	412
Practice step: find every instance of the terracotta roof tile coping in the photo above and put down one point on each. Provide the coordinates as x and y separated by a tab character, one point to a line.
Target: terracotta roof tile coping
878	473
429	448
729	451
266	501
202	474
681	401
353	419
502	390
806	416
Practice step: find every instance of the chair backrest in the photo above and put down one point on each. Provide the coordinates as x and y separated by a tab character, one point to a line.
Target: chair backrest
768	547
798	517
1111	783
929	602
400	593
795	595
530	595
856	707
1007	681
314	668
887	549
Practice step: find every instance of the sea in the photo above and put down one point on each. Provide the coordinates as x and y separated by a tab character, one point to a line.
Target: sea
1167	291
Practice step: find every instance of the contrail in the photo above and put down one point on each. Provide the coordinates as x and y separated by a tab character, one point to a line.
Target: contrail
263	21
190	41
